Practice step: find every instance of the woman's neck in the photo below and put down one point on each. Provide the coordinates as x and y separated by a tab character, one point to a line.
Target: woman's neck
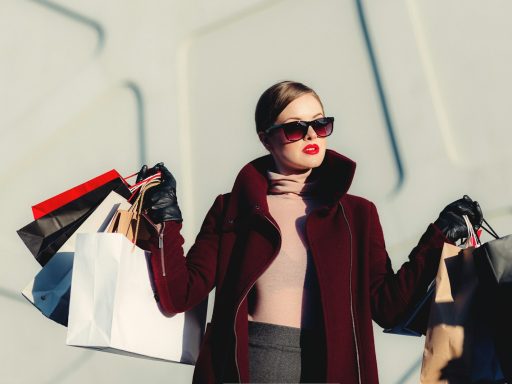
293	183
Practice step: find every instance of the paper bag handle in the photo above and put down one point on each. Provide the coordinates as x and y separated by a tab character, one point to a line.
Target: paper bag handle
134	210
473	240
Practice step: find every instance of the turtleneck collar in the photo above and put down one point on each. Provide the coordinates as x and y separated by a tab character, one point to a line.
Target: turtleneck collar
296	184
251	186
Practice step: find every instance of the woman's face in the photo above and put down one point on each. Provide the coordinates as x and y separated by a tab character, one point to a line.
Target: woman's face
302	155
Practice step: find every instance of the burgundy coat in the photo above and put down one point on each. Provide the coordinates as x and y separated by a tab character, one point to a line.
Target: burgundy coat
239	239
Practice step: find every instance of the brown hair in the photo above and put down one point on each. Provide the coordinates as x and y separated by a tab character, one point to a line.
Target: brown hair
275	99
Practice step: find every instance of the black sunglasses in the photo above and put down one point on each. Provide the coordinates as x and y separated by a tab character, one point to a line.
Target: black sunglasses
297	130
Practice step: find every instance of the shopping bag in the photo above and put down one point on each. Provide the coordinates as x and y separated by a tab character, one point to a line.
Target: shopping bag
112	306
458	347
44	236
494	263
50	288
51	204
446	354
112	299
495	259
415	321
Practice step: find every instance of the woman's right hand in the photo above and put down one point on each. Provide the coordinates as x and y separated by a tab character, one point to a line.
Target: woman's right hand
160	202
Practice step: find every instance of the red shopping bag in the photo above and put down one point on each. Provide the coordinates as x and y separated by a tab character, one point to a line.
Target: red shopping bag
55	202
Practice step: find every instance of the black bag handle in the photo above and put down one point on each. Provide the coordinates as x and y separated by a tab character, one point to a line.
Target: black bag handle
489	230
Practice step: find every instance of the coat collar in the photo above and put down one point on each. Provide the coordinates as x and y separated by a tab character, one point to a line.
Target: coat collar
251	185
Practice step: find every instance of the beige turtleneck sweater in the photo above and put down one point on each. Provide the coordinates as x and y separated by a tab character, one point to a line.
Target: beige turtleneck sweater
287	292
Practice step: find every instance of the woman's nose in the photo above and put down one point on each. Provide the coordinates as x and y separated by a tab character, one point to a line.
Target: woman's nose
310	134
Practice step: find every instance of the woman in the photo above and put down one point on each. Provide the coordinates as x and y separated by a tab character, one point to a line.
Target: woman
299	265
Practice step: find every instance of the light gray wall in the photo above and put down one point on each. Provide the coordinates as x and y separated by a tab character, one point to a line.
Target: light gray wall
420	90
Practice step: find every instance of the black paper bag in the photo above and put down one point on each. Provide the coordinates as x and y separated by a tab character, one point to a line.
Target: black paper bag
44	236
494	266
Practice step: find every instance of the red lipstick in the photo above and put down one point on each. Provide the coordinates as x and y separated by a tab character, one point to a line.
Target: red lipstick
311	149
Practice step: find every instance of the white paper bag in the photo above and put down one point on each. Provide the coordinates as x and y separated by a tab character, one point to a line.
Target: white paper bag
49	290
113	308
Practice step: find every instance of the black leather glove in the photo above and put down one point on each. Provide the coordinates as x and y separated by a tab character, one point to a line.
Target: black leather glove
160	202
451	222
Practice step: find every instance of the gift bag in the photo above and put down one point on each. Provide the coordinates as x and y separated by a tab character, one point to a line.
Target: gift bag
113	308
44	236
49	290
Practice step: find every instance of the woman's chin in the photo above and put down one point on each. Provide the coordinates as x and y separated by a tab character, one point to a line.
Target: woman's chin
312	161
305	165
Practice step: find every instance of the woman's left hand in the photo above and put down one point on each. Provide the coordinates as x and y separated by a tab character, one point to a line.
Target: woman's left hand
451	222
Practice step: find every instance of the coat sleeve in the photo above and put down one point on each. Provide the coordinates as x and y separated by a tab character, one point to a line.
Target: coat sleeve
393	294
180	282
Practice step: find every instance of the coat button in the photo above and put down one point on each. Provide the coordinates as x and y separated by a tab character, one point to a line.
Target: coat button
231	221
257	207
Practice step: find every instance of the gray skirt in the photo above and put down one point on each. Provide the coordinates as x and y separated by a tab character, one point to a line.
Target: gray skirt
280	354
